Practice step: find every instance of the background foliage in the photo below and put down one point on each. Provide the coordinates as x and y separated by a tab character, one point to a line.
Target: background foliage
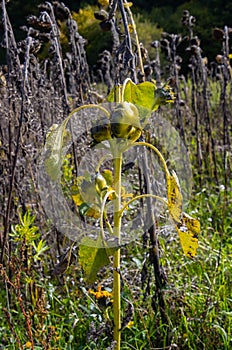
209	14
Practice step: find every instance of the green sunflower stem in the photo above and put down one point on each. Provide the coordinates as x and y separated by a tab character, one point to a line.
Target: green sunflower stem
146	144
117	233
147	195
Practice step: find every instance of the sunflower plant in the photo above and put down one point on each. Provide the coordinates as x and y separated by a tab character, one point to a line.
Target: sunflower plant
120	129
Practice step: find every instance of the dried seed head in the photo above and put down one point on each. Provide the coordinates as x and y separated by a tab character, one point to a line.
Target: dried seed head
101	15
155	44
105	25
195	41
61	11
218	33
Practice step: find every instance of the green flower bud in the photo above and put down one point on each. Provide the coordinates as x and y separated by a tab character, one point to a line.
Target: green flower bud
100	183
101	15
125	122
101	132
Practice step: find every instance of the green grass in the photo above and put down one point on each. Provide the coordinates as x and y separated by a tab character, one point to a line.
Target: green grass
198	295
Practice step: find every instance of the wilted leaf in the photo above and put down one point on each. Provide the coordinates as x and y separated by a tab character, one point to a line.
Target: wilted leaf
163	96
174	197
188	231
54	144
92	258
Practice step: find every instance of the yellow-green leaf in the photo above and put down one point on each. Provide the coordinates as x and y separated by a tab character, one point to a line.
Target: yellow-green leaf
188	231
92	258
103	2
108	175
145	95
174	197
77	199
142	94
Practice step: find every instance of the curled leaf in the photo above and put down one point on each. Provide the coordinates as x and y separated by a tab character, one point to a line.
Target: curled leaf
56	138
174	197
100	183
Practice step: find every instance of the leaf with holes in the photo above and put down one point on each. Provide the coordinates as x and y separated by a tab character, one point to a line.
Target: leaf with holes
188	231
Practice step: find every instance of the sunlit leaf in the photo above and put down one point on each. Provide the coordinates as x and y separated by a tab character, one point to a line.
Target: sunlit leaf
188	231
142	94
145	95
92	258
174	197
128	4
77	199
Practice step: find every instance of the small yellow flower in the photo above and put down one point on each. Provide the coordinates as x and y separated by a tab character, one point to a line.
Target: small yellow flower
28	345
100	293
130	324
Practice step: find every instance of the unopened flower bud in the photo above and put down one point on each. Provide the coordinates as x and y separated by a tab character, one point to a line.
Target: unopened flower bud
125	122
